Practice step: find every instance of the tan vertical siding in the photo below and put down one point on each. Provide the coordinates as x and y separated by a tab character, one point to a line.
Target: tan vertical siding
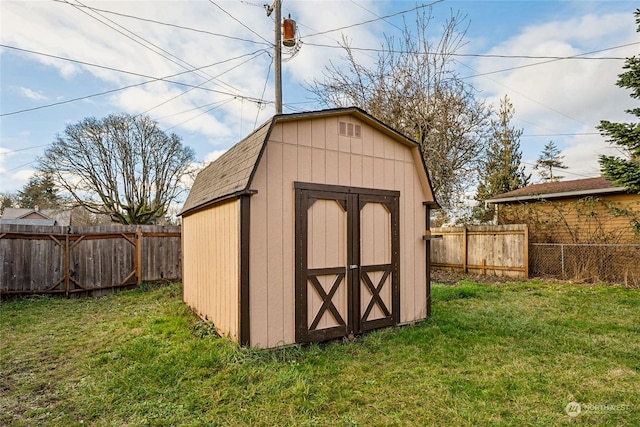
289	174
274	254
211	241
258	266
312	151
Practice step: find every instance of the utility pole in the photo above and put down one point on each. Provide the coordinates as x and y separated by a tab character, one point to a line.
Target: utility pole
278	56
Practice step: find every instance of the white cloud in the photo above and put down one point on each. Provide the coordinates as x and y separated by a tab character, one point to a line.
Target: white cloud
567	96
31	94
213	156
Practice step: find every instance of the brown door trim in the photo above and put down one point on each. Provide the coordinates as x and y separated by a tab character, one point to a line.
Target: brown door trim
392	314
352	200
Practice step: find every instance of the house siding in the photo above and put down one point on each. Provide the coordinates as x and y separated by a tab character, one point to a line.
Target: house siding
595	219
211	251
311	150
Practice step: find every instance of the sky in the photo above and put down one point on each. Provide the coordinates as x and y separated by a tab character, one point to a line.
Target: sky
64	60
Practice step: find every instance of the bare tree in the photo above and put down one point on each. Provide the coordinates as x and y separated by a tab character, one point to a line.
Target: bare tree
414	88
123	166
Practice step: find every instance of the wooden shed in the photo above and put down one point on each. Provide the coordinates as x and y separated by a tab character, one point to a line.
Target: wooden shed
313	227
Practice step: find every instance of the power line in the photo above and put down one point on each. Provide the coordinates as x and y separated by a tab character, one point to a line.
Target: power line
375	14
221	103
181	27
578	56
23	149
476	55
562	134
152	79
264	89
16	168
261	6
563	171
240	22
529	98
250	99
78	5
194	108
203	83
133	73
379	18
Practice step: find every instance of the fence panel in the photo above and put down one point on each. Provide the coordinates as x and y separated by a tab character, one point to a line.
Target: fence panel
46	259
501	250
161	253
31	264
612	263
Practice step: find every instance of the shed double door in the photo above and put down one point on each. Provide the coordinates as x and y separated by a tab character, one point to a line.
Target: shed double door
347	258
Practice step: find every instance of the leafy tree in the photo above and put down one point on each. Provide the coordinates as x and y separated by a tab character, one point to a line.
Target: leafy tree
548	160
7	200
501	171
40	191
413	88
625	172
123	166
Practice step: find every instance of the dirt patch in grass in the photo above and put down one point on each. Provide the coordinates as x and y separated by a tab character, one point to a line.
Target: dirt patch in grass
446	277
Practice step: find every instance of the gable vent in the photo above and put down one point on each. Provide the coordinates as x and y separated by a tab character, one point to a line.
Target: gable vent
350	130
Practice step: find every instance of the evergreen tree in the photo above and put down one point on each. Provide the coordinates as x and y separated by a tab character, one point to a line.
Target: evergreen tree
502	170
548	160
625	172
7	200
40	191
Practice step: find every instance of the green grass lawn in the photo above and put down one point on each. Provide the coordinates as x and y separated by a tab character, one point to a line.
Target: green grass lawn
503	354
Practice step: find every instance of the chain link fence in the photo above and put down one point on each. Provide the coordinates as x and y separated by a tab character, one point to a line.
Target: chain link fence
613	263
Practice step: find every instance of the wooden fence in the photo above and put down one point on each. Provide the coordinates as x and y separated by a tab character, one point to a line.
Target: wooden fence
45	259
501	250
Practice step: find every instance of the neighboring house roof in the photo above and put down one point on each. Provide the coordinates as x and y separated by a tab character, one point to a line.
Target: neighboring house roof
30	216
559	189
230	175
21	213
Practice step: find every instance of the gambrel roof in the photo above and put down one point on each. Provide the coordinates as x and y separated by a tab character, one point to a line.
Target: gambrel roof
230	175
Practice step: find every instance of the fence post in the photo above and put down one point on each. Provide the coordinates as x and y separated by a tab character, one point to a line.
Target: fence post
562	259
67	273
466	250
526	251
138	255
